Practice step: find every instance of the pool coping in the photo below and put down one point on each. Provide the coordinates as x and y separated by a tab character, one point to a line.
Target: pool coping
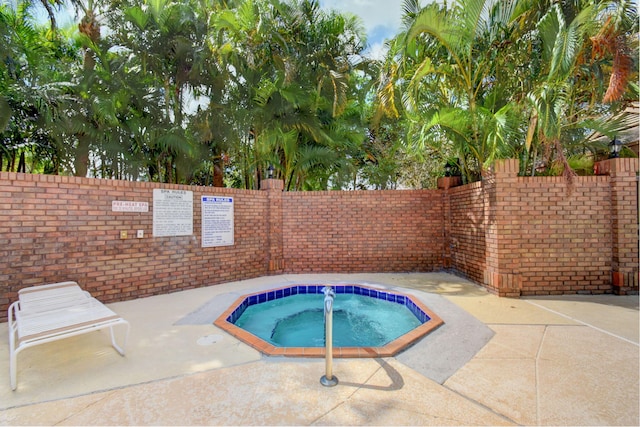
388	350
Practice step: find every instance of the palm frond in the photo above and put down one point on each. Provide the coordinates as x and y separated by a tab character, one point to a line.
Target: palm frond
549	102
410	8
474	17
549	27
423	69
609	126
175	142
311	156
435	125
432	21
137	16
264	92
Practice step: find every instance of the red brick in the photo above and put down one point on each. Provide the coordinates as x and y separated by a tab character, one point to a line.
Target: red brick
515	235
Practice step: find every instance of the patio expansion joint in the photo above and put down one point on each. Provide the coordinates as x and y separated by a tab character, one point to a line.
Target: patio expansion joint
319	418
481	405
537	373
104	395
384	365
357	387
582	323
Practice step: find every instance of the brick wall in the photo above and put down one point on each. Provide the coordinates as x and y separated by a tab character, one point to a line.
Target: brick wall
564	238
623	174
275	232
514	235
468	226
543	236
360	231
56	228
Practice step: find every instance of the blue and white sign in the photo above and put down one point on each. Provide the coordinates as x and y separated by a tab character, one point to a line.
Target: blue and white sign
217	221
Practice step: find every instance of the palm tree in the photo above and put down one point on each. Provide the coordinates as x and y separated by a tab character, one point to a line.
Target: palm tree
165	46
448	76
89	27
486	79
33	85
569	98
292	78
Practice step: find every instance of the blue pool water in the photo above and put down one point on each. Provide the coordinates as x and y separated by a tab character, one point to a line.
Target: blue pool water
298	320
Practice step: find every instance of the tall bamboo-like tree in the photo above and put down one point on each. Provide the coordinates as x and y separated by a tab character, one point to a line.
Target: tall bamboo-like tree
33	84
570	98
448	82
165	45
89	27
491	78
293	76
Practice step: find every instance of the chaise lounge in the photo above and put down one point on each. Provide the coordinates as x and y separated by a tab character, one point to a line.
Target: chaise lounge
55	311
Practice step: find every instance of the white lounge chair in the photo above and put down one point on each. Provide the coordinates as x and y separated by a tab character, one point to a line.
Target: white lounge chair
52	312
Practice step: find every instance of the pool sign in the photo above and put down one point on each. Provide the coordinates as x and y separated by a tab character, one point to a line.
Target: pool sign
129	206
172	212
217	221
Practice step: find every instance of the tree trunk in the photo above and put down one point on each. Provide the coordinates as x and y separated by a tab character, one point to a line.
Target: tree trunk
22	164
88	26
81	160
218	174
11	161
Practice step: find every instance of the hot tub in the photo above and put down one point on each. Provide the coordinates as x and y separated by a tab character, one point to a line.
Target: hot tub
368	322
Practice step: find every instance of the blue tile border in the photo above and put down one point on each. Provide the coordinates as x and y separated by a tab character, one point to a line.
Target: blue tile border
275	294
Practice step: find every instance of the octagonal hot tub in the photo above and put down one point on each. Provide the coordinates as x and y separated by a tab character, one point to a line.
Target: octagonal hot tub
368	322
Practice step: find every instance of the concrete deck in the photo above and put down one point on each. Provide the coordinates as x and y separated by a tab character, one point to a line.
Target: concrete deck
567	360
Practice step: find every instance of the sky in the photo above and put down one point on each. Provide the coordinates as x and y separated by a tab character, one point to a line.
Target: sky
381	19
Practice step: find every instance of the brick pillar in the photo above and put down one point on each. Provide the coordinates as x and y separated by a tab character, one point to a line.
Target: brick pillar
624	222
444	184
275	258
446	230
501	275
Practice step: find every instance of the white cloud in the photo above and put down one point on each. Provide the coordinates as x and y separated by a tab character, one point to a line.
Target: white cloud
377	51
381	18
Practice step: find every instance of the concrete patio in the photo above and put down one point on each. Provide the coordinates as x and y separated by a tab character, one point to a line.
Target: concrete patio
562	360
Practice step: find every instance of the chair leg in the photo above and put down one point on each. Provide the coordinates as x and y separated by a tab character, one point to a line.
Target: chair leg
13	354
12	368
124	343
13	362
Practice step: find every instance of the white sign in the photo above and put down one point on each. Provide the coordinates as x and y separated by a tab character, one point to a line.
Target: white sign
217	221
128	206
172	212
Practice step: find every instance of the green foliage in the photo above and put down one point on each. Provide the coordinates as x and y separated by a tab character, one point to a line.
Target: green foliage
214	92
186	91
488	79
34	84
